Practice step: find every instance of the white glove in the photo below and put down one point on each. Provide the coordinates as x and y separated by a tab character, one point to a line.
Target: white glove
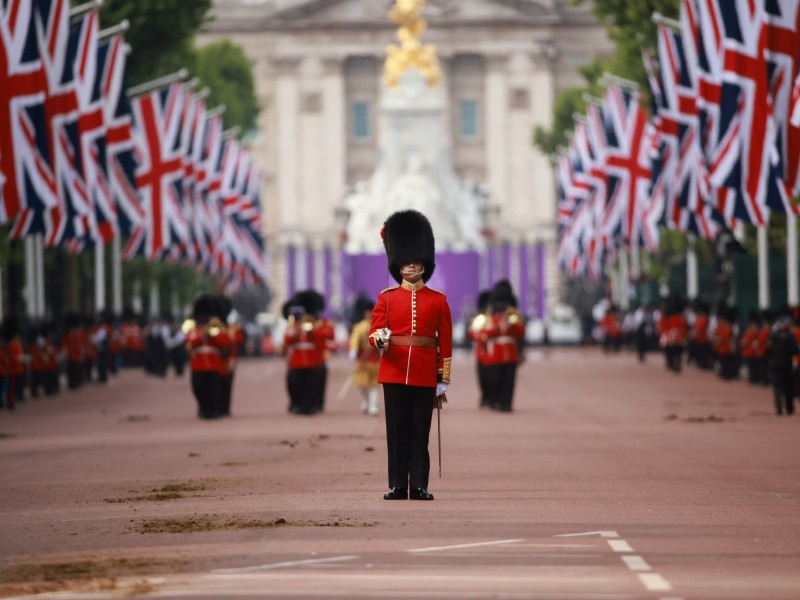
352	355
441	388
384	335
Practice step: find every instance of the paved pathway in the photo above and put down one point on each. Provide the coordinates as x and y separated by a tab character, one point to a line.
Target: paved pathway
610	480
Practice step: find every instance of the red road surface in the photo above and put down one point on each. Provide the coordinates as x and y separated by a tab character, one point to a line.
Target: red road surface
608	481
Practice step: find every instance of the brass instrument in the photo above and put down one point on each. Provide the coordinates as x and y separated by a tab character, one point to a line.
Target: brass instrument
215	326
188	326
512	316
307	323
478	322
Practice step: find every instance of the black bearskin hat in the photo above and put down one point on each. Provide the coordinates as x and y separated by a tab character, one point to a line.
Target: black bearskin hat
408	237
311	300
205	307
502	296
483	300
224	306
362	305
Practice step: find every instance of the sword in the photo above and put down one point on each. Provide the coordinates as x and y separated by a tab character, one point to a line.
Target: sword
439	428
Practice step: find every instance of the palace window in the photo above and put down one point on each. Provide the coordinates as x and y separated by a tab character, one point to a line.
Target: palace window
468	118
360	128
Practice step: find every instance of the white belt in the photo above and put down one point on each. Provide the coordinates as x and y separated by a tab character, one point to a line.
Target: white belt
304	346
505	339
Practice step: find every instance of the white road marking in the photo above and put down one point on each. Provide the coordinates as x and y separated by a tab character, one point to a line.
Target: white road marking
636	563
475	545
282	565
551	545
655	582
620	546
605	534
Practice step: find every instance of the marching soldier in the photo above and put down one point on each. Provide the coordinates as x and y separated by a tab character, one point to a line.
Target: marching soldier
502	333
722	342
303	347
481	356
207	342
413	326
612	333
673	336
698	335
72	346
236	337
781	349
748	347
366	357
16	362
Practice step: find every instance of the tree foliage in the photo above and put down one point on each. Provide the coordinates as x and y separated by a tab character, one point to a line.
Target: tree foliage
225	70
160	33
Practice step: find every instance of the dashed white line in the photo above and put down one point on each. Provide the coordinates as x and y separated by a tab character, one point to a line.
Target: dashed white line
620	546
282	565
636	563
654	582
475	545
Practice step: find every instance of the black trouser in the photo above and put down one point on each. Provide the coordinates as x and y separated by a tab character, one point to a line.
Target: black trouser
319	392
51	383
500	380
38	382
783	389
673	354
483	385
728	366
206	386
74	374
642	344
177	356
102	365
113	357
408	410
226	390
703	355
304	386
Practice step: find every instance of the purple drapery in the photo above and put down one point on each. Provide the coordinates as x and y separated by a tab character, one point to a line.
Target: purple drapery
310	260
524	280
541	292
291	283
327	261
507	262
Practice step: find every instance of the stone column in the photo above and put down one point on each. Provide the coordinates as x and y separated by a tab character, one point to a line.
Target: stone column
495	123
288	167
334	117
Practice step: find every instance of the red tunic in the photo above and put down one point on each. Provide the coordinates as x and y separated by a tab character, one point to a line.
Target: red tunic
502	340
304	345
207	349
474	334
610	325
414	312
748	344
674	332
17	356
723	338
72	345
700	329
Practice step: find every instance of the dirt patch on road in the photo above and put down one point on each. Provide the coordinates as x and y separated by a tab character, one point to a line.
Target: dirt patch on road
87	575
215	523
171	491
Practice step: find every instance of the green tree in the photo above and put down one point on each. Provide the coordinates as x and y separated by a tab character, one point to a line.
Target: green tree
225	70
160	33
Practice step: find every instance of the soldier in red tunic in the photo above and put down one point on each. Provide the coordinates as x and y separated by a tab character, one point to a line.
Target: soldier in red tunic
208	343
413	326
502	333
304	345
481	356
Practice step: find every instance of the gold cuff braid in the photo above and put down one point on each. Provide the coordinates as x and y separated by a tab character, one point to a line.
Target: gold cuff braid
446	370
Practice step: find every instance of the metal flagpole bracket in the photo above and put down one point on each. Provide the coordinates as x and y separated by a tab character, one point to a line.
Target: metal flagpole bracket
589	99
660	19
609	79
231	133
157	83
121	27
216	111
82	9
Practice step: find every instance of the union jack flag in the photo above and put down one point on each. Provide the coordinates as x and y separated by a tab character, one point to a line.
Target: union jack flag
120	156
27	179
157	120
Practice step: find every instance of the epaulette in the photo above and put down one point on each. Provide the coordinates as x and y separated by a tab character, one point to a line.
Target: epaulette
389	289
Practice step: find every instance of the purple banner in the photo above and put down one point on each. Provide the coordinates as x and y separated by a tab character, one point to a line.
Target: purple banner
327	260
507	263
291	284
524	279
541	292
310	259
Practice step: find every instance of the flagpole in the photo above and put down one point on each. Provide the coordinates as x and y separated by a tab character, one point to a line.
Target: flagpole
99	276
763	266
154	299
30	279
38	245
157	83
660	19
82	9
116	274
121	27
692	286
793	285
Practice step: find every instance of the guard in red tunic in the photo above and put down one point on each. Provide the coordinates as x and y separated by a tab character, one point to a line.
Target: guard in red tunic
413	326
17	362
207	342
474	334
502	333
304	349
73	348
673	336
